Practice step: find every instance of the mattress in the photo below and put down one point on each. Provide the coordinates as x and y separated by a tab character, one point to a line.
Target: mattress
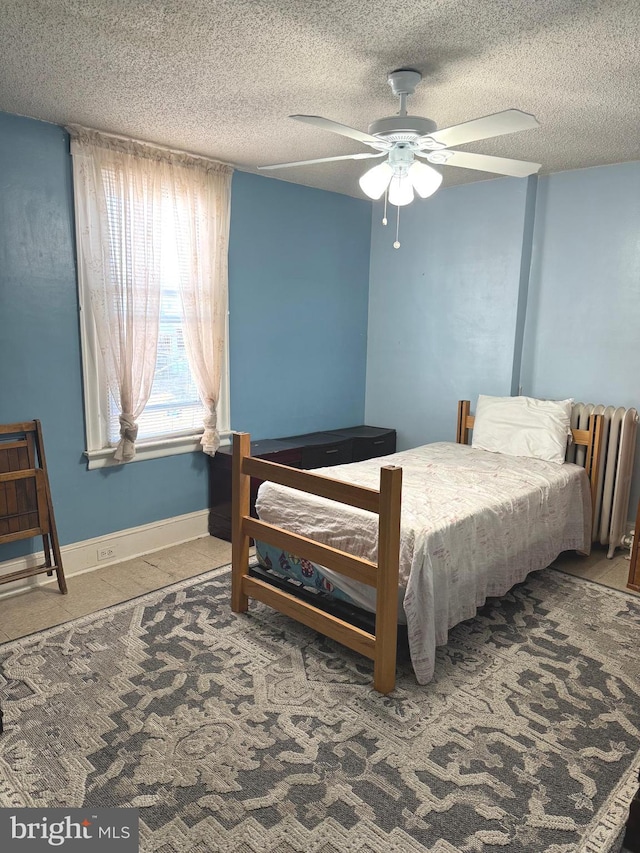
473	525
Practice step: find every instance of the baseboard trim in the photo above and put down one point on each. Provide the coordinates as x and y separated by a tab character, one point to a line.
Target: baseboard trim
81	557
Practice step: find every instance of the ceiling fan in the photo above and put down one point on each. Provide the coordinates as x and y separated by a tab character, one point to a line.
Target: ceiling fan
405	141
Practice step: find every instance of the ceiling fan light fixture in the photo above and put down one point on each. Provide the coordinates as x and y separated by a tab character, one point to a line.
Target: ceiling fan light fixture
400	190
375	181
425	179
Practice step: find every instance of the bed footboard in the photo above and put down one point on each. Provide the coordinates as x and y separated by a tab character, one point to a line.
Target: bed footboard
383	575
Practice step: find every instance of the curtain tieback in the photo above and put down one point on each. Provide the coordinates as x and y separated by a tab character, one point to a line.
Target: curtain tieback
210	440
126	449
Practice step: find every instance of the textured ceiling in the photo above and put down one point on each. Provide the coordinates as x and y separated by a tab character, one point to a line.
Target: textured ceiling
220	77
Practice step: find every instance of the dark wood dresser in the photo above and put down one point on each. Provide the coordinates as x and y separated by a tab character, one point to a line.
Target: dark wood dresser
313	450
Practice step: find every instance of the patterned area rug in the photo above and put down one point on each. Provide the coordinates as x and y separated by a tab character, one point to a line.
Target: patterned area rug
254	734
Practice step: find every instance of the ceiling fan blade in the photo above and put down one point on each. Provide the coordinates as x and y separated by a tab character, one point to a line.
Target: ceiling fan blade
486	163
361	156
341	129
498	124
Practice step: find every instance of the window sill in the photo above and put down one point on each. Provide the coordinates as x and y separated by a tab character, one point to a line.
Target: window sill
151	450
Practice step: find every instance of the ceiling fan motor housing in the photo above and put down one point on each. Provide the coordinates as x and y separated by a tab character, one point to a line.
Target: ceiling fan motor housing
402	128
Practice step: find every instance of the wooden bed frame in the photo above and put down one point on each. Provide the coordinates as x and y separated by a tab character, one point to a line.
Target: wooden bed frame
379	645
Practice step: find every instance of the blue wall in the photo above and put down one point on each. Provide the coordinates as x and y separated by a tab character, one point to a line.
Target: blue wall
443	308
584	304
298	293
507	283
40	369
582	337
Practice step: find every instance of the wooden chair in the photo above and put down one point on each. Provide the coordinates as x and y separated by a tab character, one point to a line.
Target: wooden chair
26	509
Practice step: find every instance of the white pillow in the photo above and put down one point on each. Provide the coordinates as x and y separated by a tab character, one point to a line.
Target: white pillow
523	426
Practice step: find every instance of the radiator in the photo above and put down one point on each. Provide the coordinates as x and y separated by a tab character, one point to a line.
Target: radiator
616	468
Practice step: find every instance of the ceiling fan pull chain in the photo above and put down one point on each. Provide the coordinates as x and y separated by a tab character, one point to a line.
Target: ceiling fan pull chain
396	245
384	215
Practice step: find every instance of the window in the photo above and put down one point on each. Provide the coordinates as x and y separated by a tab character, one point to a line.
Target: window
156	225
172	419
174	407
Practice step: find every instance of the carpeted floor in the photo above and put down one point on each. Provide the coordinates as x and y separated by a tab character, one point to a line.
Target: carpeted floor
254	734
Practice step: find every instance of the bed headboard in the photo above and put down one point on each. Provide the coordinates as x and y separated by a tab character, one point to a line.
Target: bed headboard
591	438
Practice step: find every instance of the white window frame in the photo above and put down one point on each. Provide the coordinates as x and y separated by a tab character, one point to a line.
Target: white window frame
99	452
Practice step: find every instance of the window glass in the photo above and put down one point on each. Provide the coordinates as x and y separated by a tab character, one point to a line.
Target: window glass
174	407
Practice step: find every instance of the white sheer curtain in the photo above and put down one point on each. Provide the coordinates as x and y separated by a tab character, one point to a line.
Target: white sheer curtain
202	231
131	199
119	209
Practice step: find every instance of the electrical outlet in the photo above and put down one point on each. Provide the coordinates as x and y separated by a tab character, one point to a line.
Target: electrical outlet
106	553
